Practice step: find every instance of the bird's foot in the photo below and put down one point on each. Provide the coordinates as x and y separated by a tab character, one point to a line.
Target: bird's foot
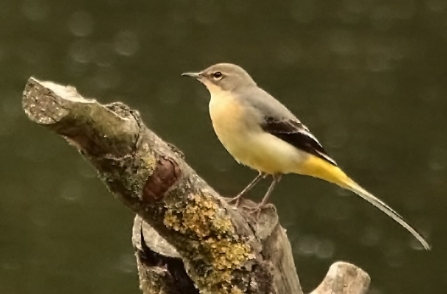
236	201
256	211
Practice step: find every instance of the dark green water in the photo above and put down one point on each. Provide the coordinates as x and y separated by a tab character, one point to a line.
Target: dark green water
368	77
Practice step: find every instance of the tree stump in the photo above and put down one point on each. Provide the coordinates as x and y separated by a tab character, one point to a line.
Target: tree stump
186	238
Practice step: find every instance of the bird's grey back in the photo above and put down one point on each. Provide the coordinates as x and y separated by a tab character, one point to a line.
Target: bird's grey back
258	98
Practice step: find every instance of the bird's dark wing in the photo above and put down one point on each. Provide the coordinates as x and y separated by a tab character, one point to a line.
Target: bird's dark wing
296	134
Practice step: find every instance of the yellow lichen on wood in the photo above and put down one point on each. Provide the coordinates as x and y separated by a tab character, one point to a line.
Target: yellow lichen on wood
214	238
149	162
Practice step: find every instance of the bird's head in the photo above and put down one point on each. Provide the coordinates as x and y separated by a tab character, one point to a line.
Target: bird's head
223	77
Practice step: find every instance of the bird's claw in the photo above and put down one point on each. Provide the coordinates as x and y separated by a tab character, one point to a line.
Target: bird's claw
256	211
236	201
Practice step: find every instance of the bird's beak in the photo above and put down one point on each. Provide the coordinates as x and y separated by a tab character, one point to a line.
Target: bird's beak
195	75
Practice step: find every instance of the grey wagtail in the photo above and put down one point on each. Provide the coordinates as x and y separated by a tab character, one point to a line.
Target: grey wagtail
260	132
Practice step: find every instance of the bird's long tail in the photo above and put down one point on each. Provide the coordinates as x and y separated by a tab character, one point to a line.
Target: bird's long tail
319	168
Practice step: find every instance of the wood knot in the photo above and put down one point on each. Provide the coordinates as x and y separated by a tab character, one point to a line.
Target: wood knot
164	176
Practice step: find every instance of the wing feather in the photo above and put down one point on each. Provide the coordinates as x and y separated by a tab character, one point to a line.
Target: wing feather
296	134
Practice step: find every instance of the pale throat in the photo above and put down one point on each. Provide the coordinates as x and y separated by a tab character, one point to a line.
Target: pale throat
212	88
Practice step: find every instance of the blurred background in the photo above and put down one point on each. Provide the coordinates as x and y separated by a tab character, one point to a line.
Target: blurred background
368	77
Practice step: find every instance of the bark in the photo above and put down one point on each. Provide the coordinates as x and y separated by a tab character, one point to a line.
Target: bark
187	239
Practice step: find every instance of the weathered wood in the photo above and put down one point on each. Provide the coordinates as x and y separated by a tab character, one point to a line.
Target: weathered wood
186	237
344	278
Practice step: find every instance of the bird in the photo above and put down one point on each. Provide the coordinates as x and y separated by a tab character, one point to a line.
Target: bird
263	134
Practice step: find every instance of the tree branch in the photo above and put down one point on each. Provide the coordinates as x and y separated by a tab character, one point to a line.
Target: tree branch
187	239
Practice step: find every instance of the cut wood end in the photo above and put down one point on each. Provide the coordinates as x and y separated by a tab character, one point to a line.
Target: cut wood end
344	278
45	102
64	92
346	269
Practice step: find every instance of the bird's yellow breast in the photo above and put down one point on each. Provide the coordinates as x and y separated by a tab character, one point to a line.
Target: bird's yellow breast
227	117
225	113
244	139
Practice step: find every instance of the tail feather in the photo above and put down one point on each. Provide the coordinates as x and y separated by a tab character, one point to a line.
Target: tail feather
387	210
318	168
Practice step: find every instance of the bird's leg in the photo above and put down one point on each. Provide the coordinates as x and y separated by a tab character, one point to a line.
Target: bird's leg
253	183
260	206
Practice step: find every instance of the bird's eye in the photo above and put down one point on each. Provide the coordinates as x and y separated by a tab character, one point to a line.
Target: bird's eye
217	75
